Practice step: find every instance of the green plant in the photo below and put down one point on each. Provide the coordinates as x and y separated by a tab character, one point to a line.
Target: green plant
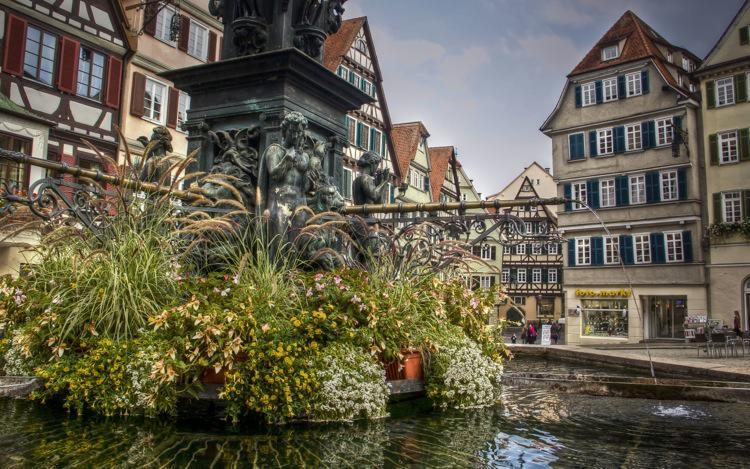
719	230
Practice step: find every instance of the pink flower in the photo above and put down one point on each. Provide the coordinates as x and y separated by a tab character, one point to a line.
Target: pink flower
355	299
318	277
474	303
319	286
265	328
337	280
309	292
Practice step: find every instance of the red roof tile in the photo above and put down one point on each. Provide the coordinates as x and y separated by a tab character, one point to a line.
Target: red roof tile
406	138
440	160
337	45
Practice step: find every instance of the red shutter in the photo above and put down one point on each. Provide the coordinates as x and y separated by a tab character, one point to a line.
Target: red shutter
212	38
68	71
138	94
174	101
149	18
182	41
114	80
15	45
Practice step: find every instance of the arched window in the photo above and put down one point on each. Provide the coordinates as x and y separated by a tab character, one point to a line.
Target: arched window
362	46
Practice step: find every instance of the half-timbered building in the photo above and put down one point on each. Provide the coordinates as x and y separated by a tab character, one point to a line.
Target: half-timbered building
350	53
532	271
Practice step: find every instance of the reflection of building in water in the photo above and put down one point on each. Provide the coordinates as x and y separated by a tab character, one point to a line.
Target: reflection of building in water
625	139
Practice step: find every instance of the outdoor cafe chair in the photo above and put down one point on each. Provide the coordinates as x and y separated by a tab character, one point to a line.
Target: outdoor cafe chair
732	341
701	343
719	341
745	340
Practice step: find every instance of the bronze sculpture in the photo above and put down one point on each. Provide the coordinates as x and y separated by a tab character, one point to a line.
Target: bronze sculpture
371	186
154	163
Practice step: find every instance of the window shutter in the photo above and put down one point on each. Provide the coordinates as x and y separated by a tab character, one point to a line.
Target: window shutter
652	133
682	189
138	94
653	194
592	193
567	194
592	143
575	141
149	18
645	141
744	144
677	121
212	39
657	248
710	94
622	185
372	138
740	88
182	41
626	249
621	91
545	276
571	253
67	74
619	139
114	82
644	82
599	94
745	204
579	97
718	211
493	252
687	246
15	45
172	105
360	129
597	250
745	36
713	143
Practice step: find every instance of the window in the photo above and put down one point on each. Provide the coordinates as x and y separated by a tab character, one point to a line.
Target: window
687	65
521	249
610	89
670	58
642	246
576	147
506	249
486	252
732	205
12	172
664	131
588	92
552	248
692	87
182	106
552	276
154	101
365	86
633	84
505	278
633	137
728	147
607	193
375	141
528	227
536	249
583	251
725	91
521	276
578	192
605	141
611	249
486	281
416	178
674	246
346	189
39	59
90	74
352	127
343	72
354	79
668	185
637	189
164	25
363	136
605	318
518	300
198	41
610	52
536	276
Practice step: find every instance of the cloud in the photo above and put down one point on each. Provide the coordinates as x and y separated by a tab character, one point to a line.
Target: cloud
551	51
564	14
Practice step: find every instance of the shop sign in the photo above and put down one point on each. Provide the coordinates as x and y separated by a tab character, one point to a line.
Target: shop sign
621	293
546	334
699	319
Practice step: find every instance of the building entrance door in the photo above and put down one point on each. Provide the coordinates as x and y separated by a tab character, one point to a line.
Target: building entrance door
667	317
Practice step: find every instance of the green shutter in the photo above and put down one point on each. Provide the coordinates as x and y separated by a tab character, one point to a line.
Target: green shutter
744	144
710	95
745	204
713	143
745	35
718	218
740	87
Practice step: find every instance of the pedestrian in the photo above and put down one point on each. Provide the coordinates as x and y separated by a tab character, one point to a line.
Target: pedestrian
513	338
737	323
532	333
555	332
524	334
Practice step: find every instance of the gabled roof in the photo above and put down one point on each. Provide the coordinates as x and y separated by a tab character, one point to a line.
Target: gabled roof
640	43
406	138
516	179
441	159
727	32
337	45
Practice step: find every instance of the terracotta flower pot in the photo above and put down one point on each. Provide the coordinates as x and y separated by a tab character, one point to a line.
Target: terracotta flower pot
413	366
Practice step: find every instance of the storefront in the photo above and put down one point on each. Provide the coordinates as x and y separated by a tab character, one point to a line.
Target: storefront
666	316
605	317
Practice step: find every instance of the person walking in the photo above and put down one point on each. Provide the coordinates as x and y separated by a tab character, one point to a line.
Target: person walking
555	331
737	323
532	333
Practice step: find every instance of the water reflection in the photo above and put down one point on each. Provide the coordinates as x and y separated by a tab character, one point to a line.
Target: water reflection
532	428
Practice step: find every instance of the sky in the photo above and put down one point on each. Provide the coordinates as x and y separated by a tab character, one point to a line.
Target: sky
483	75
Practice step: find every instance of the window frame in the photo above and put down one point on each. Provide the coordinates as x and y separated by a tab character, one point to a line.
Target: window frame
183	101
536	275
606	57
608	141
588	90
552	248
727	85
345	75
583	251
671	177
505	276
147	115
609	90
578	191
731	138
521	249
640	186
642	241
664	129
518	275
39	54
550	277
611	246
94	53
194	25
24	181
346	190
737	206
415	172
164	37
635	131
611	195
676	242
633	79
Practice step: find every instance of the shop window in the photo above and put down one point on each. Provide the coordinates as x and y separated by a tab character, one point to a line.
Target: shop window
605	318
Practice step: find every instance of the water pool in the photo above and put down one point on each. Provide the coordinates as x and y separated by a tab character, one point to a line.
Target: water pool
531	428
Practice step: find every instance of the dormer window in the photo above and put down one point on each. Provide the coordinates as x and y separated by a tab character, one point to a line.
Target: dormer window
670	59
610	52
